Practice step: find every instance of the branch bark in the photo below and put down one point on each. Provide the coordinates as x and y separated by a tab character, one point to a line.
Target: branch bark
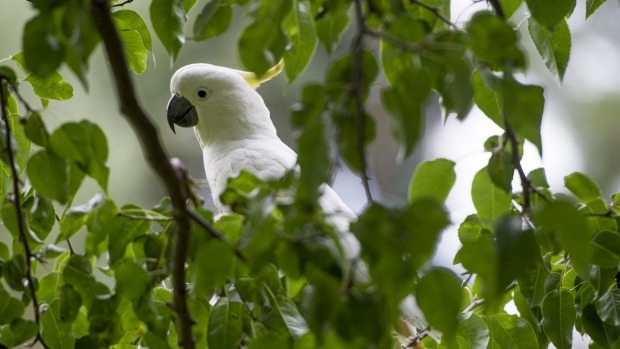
170	176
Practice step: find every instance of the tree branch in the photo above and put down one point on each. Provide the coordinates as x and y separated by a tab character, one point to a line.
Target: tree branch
435	11
358	81
170	176
123	3
21	225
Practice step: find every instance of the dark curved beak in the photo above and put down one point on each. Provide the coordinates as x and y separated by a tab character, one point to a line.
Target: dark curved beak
181	112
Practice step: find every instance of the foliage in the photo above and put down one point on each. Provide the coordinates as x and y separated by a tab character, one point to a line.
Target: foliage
278	278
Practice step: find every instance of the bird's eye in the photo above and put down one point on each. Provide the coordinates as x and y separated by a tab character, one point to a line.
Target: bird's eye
202	93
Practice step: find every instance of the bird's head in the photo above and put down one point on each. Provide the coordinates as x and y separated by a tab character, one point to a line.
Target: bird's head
210	96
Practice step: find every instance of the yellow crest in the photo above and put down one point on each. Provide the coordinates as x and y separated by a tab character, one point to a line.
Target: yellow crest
255	81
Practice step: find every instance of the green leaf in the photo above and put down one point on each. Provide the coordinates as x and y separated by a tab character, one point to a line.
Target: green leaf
510	6
433	179
132	282
168	18
47	173
213	20
130	21
85	143
405	100
18	332
582	186
473	332
559	315
53	86
493	41
10	308
572	229
224	330
35	129
134	50
547	15
552	45
439	295
393	60
287	310
43	52
538	178
48	287
510	331
592	6
501	170
523	108
332	23
490	201
213	265
70	303
608	307
56	333
42	217
303	39
486	98
605	249
75	217
78	273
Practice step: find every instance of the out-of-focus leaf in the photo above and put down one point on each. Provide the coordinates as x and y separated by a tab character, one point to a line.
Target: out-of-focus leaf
225	325
550	16
18	332
432	179
70	303
10	308
35	129
493	41
559	315
510	6
132	282
332	22
168	18
43	52
490	201
572	230
75	217
42	217
53	86
486	98
523	108
442	7
501	170
303	39
510	331
592	6
439	294
552	45
213	20
582	186
213	265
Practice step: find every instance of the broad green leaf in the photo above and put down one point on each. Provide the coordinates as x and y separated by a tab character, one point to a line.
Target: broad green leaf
56	333
559	315
10	308
393	60
592	6
596	222
132	282
608	307
582	186
433	179
538	178
75	217
487	98
18	332
78	273
168	18
510	6
441	6
225	329
510	331
490	201
287	310
493	41
605	249
48	287
439	294
43	52
552	45
42	217
213	265
501	170
532	285
70	303
130	21
473	332
572	230
48	174
35	129
303	39
332	23
405	100
53	86
261	45
21	145
594	326
189	4
213	20
134	50
523	107
547	15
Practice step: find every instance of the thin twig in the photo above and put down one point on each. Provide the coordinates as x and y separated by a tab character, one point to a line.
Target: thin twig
123	3
21	226
435	11
358	81
19	96
213	232
157	158
401	44
145	218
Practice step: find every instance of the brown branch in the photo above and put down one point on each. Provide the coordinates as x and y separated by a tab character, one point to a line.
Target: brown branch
122	3
358	81
170	176
435	11
21	225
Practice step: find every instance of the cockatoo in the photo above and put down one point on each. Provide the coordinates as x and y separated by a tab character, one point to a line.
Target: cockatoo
235	131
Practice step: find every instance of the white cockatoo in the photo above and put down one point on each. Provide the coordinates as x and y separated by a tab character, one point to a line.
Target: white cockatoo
235	132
